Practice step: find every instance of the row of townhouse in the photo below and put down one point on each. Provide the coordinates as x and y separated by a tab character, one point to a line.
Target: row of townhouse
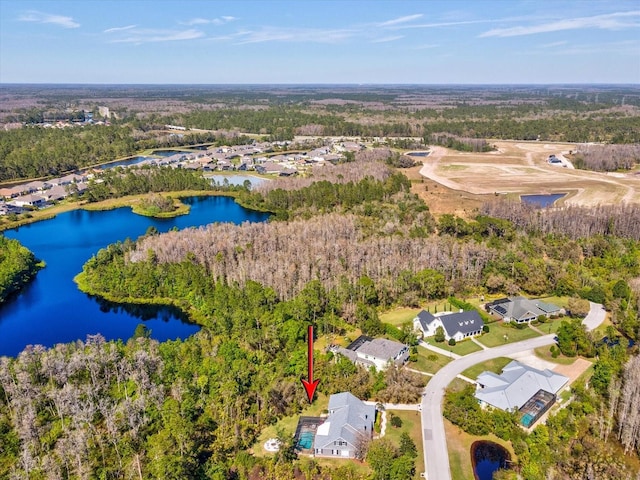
40	193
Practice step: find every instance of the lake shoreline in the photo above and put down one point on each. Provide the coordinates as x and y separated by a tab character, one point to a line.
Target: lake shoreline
111	204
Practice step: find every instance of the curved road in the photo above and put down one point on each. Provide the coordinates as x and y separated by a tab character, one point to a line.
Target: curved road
434	441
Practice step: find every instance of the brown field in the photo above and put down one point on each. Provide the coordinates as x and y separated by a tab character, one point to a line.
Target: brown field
458	182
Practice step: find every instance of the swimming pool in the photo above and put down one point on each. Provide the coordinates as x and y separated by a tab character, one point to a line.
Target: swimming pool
527	419
305	442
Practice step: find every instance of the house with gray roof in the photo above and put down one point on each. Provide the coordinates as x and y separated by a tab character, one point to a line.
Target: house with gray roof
375	352
350	421
29	201
460	325
521	310
518	383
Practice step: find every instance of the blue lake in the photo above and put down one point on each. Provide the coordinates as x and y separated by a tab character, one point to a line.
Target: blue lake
52	310
542	200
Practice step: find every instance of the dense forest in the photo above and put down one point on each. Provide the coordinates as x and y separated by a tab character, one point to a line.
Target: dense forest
17	266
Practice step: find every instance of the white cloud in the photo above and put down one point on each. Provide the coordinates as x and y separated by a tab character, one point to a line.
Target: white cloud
313	35
213	21
399	20
612	21
119	29
41	17
387	39
441	24
142	35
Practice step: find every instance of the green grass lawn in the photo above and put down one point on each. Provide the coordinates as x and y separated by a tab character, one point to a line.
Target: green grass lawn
459	447
494	365
498	330
559	301
429	361
289	424
400	315
545	354
461	348
412	425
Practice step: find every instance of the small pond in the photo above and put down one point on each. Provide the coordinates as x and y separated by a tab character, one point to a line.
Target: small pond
417	154
487	458
542	200
124	163
236	179
169	153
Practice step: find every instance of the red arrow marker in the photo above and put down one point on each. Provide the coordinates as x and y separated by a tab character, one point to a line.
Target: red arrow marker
310	386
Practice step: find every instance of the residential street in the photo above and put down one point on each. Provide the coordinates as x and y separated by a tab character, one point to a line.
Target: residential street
434	441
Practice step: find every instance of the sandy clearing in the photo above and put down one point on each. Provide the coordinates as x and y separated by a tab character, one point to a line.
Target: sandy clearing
522	168
574	370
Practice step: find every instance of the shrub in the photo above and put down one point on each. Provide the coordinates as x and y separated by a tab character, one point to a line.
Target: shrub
396	421
485	329
452	341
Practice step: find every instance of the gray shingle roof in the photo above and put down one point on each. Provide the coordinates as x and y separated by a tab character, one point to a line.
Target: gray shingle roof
463	322
517	384
382	348
348	417
425	318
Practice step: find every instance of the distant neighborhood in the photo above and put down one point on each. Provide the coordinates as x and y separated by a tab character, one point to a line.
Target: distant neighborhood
258	157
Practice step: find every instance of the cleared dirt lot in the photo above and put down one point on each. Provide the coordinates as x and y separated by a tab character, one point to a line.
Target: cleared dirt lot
521	168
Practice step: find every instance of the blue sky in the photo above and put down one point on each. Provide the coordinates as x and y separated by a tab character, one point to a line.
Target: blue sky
313	41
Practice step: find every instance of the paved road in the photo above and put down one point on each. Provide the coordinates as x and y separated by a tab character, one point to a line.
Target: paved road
434	441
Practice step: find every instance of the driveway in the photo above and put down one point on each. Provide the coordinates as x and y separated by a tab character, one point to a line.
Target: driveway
595	316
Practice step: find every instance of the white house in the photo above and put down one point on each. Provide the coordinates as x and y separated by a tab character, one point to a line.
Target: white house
458	326
516	385
350	422
375	352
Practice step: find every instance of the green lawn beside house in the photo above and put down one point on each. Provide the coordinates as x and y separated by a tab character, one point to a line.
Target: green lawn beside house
429	361
464	347
494	365
412	425
501	333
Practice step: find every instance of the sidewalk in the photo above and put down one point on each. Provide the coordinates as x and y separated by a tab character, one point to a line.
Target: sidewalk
439	350
482	346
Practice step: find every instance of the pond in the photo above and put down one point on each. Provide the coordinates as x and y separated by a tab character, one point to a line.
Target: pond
169	153
125	163
488	457
52	310
236	179
542	200
417	154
